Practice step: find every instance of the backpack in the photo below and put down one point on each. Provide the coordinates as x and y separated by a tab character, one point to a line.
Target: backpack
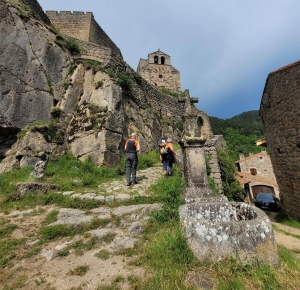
162	148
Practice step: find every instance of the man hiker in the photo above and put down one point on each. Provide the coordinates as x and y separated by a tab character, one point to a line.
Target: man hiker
132	146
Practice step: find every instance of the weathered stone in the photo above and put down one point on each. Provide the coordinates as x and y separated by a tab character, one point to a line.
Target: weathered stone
122	197
135	228
32	243
48	254
26	187
124	243
99	198
110	199
218	230
71	216
102	233
40	166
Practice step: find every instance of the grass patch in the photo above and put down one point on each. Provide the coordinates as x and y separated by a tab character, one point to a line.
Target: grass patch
103	255
62	230
168	191
171	93
93	64
80	270
286	233
283	218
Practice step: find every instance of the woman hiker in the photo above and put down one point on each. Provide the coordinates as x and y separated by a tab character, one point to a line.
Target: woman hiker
168	158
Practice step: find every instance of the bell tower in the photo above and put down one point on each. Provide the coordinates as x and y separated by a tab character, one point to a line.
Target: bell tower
158	71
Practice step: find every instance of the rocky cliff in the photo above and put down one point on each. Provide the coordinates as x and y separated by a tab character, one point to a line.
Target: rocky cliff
60	94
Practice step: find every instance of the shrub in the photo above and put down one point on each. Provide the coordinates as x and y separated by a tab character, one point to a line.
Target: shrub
93	64
22	133
138	78
124	80
50	86
71	68
111	73
179	125
72	45
55	112
170	93
99	84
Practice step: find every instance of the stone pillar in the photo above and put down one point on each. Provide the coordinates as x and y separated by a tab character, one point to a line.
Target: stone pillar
194	164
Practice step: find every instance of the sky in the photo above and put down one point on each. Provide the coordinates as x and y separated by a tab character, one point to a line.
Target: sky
224	50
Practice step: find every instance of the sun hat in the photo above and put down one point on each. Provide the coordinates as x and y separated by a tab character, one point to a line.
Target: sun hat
169	140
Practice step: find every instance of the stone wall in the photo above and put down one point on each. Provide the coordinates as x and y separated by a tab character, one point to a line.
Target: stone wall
97	35
279	111
261	162
82	26
211	146
37	10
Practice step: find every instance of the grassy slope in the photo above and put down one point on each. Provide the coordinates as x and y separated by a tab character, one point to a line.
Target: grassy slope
163	250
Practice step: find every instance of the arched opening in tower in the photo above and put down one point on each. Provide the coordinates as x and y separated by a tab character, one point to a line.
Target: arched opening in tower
156	59
162	60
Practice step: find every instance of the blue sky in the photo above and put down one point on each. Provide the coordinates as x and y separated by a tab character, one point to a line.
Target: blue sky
224	50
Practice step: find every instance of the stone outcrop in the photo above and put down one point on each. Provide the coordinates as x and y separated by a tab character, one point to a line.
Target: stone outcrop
75	93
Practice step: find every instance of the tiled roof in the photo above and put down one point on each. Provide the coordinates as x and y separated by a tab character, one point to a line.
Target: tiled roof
285	67
242	180
251	177
251	156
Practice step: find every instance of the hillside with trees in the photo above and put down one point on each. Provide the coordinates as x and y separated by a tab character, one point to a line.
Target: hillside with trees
240	133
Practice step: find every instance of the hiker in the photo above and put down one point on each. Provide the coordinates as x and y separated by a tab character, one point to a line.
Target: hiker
132	146
167	157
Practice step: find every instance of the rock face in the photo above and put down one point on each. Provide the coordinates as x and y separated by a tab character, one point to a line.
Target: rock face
59	93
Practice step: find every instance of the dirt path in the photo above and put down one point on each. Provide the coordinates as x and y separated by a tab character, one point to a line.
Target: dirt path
285	235
64	263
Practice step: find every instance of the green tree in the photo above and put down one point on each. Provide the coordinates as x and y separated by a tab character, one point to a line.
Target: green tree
231	186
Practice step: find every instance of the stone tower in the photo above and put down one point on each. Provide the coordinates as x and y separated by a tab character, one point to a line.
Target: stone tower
158	71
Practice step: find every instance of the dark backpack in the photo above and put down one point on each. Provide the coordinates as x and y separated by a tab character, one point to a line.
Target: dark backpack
162	148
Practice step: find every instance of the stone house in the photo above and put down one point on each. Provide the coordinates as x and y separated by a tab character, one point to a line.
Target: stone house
280	112
256	174
158	71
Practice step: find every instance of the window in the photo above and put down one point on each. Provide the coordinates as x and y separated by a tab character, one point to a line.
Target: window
253	171
162	60
156	59
160	76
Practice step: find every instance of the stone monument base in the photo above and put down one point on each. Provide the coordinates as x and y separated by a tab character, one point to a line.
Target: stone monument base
218	230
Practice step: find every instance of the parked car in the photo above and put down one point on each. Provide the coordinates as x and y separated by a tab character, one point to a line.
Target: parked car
267	201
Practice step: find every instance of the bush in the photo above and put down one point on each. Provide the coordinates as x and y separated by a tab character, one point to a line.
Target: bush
124	80
55	112
232	188
170	93
93	64
138	78
99	84
72	45
179	125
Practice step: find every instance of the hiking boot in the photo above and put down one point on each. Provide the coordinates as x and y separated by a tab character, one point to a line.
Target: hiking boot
135	182
128	184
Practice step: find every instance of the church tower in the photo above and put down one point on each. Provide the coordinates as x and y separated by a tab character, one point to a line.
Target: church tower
158	71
